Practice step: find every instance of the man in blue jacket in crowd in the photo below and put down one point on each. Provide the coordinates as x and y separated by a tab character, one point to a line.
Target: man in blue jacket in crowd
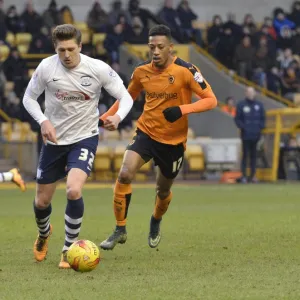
250	119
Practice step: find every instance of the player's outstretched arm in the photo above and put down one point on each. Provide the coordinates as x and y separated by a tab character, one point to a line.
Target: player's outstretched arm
124	107
114	108
207	102
134	90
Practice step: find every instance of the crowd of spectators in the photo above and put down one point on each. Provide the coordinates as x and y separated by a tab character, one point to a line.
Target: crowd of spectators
267	54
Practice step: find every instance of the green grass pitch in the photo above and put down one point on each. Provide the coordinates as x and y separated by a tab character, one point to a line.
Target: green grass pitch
218	242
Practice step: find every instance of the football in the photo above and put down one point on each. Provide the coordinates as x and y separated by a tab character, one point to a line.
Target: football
83	256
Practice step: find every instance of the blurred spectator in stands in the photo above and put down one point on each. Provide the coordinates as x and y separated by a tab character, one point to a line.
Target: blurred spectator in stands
12	104
285	39
186	17
41	42
262	62
262	57
170	17
271	43
3	29
99	52
136	34
250	119
2	14
116	11
97	19
259	77
229	106
66	15
112	43
134	10
13	21
281	22
213	33
15	70
296	41
226	47
236	29
250	24
295	14
2	83
126	125
123	20
274	80
244	57
32	20
290	82
51	15
285	58
268	23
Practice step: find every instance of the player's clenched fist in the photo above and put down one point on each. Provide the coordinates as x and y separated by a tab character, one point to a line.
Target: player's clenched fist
48	132
112	122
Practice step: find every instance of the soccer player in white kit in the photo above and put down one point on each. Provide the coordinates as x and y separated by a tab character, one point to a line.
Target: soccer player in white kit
72	83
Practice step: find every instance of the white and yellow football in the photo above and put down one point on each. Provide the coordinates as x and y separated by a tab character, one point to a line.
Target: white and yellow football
83	256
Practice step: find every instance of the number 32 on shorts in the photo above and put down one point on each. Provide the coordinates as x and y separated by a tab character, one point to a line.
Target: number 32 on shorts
84	156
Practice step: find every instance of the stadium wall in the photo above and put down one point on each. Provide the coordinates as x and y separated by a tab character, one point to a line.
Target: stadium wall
205	9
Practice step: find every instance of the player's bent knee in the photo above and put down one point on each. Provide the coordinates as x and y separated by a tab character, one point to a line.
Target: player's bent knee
42	200
73	192
125	176
43	196
162	193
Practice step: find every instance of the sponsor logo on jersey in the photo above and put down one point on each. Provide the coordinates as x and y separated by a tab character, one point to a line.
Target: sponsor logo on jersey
72	96
162	95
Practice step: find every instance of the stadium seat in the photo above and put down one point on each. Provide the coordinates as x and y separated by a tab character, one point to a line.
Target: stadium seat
118	157
102	159
6	130
199	25
30	72
4	52
21	131
112	135
10	38
85	37
8	87
98	38
147	167
191	133
297	99
194	157
23	38
23	49
82	26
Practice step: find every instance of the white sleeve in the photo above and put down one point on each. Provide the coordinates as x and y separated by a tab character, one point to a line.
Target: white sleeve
35	87
113	84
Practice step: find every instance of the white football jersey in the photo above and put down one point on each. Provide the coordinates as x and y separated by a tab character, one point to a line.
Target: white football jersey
72	95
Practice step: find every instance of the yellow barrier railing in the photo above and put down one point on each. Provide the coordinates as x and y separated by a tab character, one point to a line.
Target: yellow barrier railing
244	81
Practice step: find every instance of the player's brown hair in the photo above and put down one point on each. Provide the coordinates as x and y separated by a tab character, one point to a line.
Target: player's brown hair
66	32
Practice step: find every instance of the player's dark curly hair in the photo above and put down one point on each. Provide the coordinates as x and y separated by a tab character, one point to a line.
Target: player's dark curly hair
66	32
160	30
